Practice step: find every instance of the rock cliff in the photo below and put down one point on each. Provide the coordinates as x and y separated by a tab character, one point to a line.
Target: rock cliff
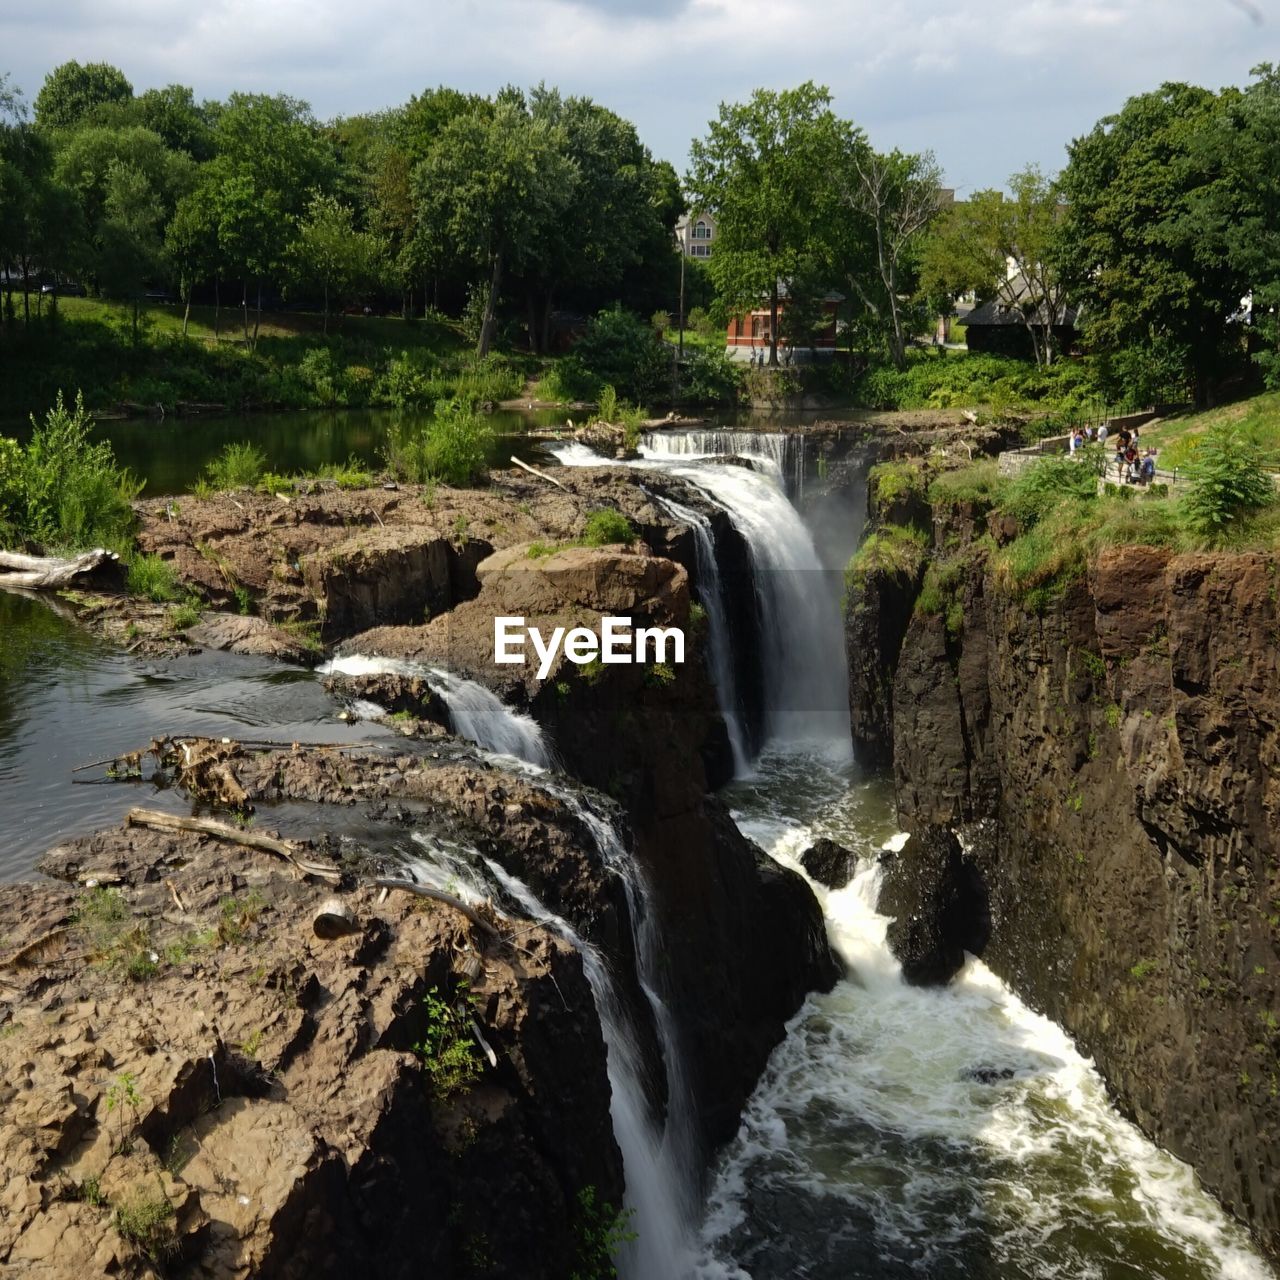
1112	763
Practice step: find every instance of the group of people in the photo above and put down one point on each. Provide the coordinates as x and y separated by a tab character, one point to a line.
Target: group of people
1133	464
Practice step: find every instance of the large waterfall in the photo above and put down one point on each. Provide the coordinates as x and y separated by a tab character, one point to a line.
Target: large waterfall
802	651
476	713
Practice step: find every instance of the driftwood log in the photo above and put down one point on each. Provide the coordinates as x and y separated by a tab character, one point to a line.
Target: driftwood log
49	572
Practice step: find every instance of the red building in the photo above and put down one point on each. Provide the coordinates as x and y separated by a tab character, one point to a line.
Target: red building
750	333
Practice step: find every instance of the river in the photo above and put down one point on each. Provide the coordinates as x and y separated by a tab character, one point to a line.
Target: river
946	1134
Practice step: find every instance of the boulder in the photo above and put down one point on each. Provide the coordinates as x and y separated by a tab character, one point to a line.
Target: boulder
829	863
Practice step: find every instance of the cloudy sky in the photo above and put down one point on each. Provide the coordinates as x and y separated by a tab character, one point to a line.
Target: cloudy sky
989	85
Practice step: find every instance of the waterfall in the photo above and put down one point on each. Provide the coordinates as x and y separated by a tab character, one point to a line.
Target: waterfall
805	677
660	1200
781	454
712	595
476	713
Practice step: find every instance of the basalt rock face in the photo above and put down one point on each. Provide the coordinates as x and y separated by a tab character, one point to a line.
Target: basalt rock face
1114	765
198	1085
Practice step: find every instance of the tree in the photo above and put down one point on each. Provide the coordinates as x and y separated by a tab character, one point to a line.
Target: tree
130	236
488	188
894	198
762	171
1245	145
271	156
331	253
615	192
72	93
1145	239
1006	249
172	112
191	246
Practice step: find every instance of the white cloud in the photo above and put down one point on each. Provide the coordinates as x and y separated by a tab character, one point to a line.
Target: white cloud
988	84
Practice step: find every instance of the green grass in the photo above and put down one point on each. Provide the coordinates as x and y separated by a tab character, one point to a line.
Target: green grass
1178	438
980	484
154	578
892	548
239	466
364	361
147	1221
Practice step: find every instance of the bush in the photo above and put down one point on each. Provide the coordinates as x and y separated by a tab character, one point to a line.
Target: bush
896	480
700	321
238	466
711	377
618	348
149	1223
980	483
64	491
453	447
566	382
1229	480
607	527
1053	480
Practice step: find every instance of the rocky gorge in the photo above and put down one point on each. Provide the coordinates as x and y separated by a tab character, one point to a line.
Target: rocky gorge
1090	780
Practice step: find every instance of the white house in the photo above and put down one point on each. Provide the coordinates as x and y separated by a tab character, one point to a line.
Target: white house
695	233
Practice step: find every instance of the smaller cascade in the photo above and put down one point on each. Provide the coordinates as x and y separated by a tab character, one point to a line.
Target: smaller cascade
780	454
476	713
660	1207
720	649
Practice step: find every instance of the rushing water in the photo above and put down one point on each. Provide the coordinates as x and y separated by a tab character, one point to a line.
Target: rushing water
655	1163
948	1133
476	713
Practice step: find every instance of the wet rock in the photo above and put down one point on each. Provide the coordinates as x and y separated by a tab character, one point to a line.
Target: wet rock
829	863
939	907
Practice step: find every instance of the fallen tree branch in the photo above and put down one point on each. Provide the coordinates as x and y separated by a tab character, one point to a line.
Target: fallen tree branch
45	572
439	895
542	475
156	818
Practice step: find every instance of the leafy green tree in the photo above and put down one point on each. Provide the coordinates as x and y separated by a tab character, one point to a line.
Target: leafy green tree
489	187
893	200
271	156
130	236
1245	144
1145	239
72	93
331	254
1006	248
191	245
762	170
173	113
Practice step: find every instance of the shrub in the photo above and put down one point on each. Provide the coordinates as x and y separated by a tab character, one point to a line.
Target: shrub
448	1053
601	1230
711	377
1229	481
607	527
64	490
568	381
618	348
453	447
152	577
321	374
700	321
238	466
1053	480
148	1222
